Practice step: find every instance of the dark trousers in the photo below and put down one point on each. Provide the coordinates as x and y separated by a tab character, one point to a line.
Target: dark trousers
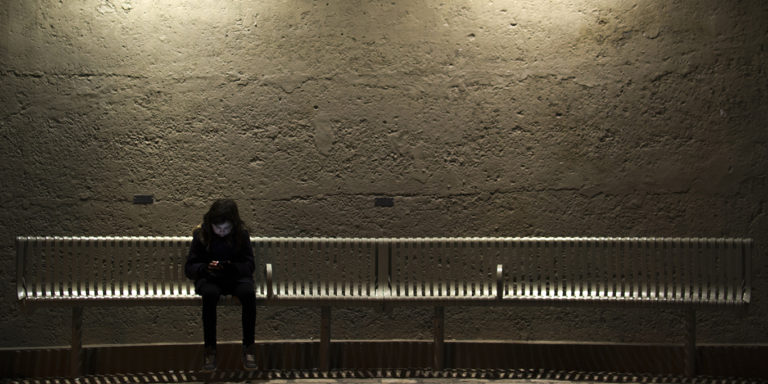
211	291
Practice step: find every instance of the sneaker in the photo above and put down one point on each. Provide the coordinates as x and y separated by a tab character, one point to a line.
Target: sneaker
249	357
209	359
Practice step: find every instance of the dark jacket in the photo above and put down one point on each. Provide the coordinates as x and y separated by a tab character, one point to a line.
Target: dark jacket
238	264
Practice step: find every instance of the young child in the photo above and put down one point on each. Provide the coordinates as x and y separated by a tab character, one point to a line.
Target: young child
221	262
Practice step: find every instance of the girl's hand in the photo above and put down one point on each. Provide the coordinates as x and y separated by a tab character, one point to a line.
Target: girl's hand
215	265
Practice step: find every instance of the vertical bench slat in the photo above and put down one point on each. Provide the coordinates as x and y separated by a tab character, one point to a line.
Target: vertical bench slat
465	253
707	264
721	276
485	249
657	268
535	270
661	266
603	270
697	262
119	270
644	269
648	255
614	266
631	270
151	264
521	255
695	268
713	266
40	268
104	249
596	278
166	264
669	289
738	270
54	270
574	267
308	283
685	245
625	255
143	249
569	279
714	256
182	282
589	287
636	269
498	289
340	284
525	256
693	247
48	266
96	251
82	249
674	278
58	272
715	274
164	268
746	250
548	265
685	256
295	289
36	289
732	271
145	275
596	270
80	255
671	269
279	264
22	249
448	274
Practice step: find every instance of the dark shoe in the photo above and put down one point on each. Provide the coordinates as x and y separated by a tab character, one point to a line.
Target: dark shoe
249	357
209	359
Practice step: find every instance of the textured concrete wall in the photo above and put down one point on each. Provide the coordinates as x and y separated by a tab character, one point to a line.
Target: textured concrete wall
482	118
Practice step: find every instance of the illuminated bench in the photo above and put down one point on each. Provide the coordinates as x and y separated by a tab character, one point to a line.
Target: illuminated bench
688	273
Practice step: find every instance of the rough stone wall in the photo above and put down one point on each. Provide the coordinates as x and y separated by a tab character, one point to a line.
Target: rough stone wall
481	118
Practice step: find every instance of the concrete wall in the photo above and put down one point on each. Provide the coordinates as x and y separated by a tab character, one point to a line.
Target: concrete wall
481	118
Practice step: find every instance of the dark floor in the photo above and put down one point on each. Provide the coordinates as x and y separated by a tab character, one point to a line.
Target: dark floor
464	377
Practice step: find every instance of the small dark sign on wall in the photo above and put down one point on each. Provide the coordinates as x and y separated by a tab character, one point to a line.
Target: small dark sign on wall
384	202
143	199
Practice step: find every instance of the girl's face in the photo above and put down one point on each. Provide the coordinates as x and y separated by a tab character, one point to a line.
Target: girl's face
222	229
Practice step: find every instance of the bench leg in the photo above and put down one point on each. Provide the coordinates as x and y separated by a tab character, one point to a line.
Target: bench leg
75	354
438	352
325	339
690	342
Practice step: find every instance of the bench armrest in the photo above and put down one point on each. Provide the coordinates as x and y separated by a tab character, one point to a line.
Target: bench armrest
499	281
268	273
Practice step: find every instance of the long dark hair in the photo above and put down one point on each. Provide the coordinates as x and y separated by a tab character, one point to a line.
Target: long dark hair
224	210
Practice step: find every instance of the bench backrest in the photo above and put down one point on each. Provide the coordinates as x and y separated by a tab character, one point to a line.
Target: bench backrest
654	270
317	268
51	268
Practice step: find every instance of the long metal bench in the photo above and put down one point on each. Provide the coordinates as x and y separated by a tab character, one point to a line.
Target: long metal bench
688	273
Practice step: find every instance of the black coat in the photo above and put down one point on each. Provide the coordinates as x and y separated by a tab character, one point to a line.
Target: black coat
238	263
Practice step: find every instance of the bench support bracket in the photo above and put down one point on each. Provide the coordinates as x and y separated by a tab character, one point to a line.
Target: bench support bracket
325	339
438	353
76	353
690	342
